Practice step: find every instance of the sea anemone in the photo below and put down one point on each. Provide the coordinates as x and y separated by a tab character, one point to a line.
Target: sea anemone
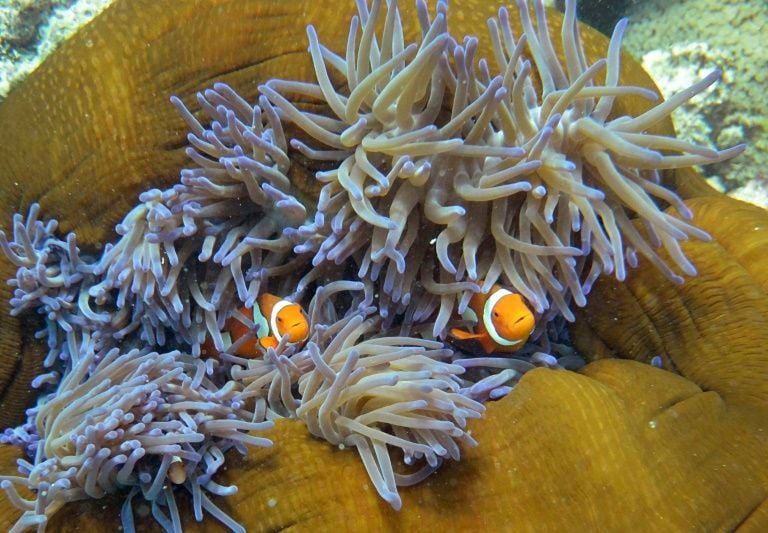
132	421
447	179
440	179
356	386
214	238
48	278
387	392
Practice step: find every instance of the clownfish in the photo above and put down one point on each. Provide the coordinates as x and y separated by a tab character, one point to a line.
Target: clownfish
274	318
503	321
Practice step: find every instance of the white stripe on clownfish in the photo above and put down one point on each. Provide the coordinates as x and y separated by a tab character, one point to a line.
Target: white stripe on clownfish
279	306
490	303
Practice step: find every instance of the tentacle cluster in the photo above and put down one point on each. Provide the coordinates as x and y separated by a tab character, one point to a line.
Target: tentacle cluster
134	420
532	185
355	386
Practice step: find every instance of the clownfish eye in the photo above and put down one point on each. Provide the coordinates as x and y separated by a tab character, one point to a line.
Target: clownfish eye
495	314
279	319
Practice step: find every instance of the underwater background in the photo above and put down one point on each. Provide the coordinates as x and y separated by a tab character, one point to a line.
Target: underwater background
616	431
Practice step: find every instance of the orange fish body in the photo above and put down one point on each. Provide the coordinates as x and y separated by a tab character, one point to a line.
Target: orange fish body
503	321
274	318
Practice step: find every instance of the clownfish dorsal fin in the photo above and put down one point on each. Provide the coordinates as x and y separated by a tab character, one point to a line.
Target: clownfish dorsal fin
267	302
477	300
274	318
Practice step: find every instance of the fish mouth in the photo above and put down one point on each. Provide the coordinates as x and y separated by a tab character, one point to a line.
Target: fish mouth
298	332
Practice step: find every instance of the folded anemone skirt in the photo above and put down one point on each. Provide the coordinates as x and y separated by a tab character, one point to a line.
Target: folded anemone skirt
621	444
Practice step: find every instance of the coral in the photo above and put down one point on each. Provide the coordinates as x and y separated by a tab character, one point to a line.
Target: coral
32	29
674	40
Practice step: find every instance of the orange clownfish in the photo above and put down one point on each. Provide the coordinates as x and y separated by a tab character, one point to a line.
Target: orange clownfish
274	318
504	321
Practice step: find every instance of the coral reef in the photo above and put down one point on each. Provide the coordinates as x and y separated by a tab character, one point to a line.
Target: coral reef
677	42
31	29
184	255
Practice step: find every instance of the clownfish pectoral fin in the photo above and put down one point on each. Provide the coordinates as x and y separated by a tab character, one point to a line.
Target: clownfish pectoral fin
268	342
465	335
